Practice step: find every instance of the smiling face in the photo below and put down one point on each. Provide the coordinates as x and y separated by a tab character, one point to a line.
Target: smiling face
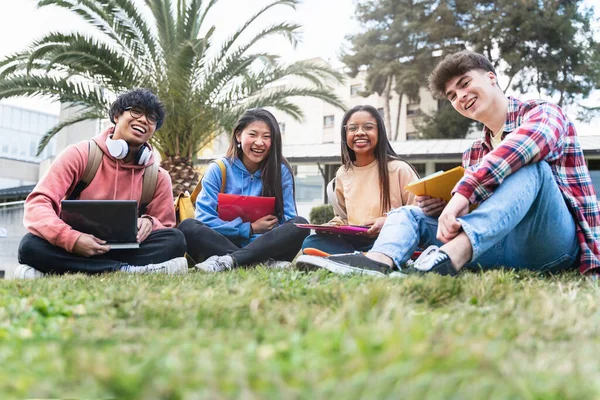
361	136
473	94
256	141
135	131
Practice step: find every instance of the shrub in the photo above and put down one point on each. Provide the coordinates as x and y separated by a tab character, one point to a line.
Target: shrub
321	214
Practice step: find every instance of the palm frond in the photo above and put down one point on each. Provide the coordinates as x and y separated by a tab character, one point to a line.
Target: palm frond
118	23
226	47
84	55
53	88
165	24
157	44
80	117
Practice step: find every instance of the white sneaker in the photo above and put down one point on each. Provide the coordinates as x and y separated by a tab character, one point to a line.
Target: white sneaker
26	272
216	264
276	264
175	266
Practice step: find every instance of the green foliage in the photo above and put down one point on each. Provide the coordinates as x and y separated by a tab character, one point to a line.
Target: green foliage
397	45
446	123
166	47
287	334
550	46
321	214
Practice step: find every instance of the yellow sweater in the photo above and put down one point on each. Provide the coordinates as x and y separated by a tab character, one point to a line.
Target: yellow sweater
357	190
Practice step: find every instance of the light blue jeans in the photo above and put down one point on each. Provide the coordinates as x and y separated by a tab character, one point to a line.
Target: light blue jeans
524	224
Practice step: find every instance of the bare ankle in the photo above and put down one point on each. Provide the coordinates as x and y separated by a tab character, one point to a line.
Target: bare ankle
459	250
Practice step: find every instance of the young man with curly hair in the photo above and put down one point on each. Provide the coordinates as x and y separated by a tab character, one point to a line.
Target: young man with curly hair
53	247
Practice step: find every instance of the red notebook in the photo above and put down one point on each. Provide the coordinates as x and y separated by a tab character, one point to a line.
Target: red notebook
250	208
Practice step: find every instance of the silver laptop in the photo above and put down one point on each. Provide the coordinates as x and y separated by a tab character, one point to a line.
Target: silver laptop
112	220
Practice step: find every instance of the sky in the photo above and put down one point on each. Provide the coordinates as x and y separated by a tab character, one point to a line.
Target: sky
325	24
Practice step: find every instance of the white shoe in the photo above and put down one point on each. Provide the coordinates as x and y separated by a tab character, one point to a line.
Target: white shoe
175	266
216	264
277	264
26	272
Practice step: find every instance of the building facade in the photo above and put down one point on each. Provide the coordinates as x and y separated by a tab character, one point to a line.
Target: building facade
312	145
20	133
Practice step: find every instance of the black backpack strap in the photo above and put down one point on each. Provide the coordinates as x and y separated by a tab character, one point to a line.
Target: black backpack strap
94	160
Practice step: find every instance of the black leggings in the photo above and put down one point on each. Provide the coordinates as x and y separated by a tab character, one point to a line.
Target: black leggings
160	246
281	243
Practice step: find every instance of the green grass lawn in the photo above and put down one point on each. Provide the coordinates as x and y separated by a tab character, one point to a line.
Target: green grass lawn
289	334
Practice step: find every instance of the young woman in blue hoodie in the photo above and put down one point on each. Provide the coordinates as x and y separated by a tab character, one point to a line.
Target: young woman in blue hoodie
255	166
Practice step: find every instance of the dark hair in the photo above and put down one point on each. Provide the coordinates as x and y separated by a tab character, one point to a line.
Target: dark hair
271	166
139	97
384	153
454	65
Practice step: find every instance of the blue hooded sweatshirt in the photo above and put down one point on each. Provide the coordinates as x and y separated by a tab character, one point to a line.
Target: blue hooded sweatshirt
238	181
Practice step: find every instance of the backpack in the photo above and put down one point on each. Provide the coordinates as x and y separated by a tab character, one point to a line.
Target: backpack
185	204
95	157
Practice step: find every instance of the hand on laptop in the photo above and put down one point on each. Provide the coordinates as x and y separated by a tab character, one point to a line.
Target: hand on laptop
89	245
144	229
264	224
431	206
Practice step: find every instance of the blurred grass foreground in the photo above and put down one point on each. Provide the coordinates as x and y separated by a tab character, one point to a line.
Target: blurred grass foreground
288	334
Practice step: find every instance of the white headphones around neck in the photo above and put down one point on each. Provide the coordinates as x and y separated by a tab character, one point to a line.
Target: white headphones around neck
119	149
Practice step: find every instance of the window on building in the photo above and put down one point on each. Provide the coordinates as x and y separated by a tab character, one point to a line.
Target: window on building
16	119
282	127
414	135
594	168
412	110
446	166
6	117
420	168
355	90
328	121
32	147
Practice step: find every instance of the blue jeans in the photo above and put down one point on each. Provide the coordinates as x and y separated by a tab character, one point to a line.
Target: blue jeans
337	244
524	224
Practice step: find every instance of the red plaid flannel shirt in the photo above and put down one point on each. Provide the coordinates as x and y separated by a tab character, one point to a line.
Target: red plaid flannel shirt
538	131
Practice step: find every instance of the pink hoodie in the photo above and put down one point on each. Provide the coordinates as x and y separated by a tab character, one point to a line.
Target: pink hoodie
114	180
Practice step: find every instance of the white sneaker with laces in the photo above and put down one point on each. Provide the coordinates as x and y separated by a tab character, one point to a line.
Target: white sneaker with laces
425	261
26	272
216	264
277	264
175	266
435	260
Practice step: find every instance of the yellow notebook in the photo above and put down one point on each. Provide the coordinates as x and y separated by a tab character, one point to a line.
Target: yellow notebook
439	184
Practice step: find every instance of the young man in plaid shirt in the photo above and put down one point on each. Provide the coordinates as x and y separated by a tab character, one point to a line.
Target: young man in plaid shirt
537	207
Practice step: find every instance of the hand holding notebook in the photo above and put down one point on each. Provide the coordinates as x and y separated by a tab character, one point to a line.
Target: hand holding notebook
438	185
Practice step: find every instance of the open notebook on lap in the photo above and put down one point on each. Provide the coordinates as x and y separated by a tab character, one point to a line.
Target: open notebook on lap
112	220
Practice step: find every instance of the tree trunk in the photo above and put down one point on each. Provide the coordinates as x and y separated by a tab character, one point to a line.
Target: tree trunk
183	175
397	132
386	106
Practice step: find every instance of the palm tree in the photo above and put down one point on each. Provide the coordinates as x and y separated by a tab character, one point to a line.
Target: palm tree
163	47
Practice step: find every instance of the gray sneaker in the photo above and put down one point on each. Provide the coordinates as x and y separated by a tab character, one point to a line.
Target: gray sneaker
276	264
216	264
344	264
26	272
175	266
